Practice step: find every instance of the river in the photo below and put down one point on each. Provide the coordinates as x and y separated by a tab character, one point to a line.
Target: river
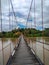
38	44
7	46
40	47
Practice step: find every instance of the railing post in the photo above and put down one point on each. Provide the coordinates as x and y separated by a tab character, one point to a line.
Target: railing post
3	52
10	48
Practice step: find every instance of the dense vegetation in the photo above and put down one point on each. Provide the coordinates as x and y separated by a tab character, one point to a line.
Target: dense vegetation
27	32
10	34
35	33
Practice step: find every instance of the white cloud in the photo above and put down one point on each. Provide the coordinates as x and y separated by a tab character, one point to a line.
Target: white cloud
22	6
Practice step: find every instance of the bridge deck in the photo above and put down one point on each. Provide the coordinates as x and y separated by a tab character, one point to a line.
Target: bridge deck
23	55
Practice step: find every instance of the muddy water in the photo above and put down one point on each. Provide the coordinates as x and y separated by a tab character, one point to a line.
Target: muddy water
41	48
7	46
39	45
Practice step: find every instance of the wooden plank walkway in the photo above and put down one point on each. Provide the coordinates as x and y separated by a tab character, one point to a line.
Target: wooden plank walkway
23	55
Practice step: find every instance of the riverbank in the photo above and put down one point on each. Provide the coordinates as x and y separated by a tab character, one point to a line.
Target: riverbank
26	32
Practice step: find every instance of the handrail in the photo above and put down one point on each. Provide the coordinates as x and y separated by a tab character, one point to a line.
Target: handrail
11	49
33	49
5	47
40	42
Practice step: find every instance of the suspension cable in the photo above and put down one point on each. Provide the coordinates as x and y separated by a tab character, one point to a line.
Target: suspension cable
42	12
29	12
13	11
9	15
34	16
1	15
42	28
12	7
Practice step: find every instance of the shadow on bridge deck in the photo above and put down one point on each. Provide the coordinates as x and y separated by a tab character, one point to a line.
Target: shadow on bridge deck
23	55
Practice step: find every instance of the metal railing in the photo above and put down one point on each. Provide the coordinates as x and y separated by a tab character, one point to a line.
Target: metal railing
7	51
40	49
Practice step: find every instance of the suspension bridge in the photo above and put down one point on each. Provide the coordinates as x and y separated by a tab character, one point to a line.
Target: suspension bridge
22	54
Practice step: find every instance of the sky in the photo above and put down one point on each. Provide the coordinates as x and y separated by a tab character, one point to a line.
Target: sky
21	9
